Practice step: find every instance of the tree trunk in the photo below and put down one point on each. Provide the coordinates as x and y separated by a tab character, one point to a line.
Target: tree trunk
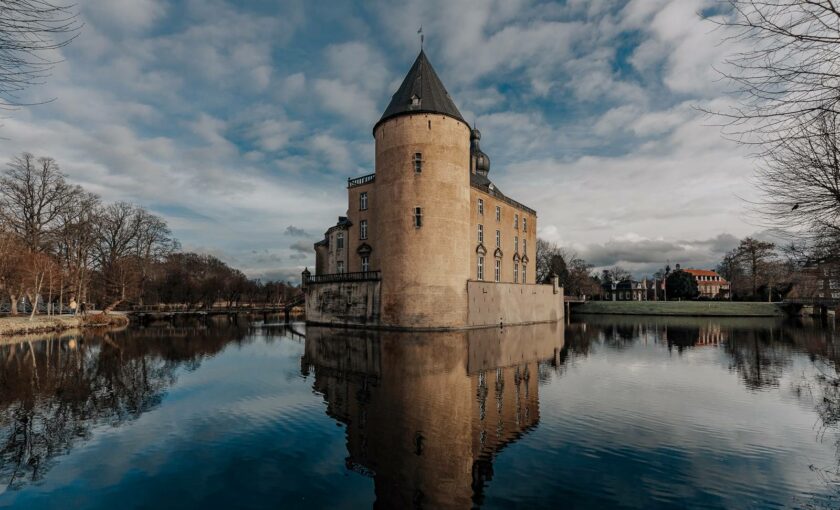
35	299
13	304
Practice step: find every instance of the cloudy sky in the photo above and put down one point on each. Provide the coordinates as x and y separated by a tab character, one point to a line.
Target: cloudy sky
240	124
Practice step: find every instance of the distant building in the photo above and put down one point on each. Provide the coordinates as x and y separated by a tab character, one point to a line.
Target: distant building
828	281
627	290
428	240
710	284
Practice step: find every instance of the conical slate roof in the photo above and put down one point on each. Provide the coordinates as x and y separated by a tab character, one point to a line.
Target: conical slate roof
421	92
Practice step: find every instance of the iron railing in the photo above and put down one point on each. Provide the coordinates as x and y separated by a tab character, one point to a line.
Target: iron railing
361	276
358	181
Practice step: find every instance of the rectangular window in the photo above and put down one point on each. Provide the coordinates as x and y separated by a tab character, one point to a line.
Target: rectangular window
516	221
524	272
363	229
418	217
498	239
339	241
524	224
339	266
525	247
365	264
481	206
516	272
418	162
480	269
363	201
498	270
515	244
498	213
481	233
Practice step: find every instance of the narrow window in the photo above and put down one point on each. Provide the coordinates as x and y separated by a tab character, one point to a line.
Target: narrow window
481	234
339	241
498	270
418	217
524	224
525	246
516	221
516	272
480	206
363	229
498	239
498	213
363	201
515	244
418	162
366	264
340	266
480	269
524	272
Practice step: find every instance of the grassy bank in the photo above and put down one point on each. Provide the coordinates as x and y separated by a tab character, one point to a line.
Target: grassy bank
684	308
44	324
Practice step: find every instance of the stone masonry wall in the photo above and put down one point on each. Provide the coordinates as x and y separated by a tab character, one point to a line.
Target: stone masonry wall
509	303
350	303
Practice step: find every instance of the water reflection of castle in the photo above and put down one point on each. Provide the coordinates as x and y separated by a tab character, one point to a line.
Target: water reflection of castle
427	412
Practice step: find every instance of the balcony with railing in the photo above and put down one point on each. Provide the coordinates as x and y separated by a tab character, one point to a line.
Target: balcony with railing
361	276
359	181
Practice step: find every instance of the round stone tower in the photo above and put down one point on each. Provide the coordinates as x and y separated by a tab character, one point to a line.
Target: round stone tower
422	216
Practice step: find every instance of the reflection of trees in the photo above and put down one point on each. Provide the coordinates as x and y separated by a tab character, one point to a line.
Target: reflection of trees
54	392
760	356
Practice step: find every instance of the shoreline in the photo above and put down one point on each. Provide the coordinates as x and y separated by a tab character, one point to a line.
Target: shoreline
680	308
21	325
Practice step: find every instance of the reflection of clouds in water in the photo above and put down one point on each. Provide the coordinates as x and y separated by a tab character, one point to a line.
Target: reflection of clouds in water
649	411
656	403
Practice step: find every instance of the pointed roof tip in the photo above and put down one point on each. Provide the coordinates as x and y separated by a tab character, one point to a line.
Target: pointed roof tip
421	91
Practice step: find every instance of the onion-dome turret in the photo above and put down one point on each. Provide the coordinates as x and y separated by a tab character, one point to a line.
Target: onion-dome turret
480	159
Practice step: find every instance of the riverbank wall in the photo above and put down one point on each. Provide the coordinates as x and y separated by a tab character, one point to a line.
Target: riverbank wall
679	308
46	324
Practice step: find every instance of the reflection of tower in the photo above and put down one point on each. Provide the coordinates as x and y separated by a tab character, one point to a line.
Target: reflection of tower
426	413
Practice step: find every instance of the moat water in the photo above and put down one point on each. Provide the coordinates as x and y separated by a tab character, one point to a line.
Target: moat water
604	412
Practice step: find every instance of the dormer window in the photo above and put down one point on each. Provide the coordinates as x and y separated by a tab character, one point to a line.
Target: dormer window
418	162
415	101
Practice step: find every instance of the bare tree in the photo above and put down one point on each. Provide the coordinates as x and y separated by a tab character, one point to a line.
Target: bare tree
33	192
30	32
129	238
757	256
787	80
12	257
788	72
800	180
77	237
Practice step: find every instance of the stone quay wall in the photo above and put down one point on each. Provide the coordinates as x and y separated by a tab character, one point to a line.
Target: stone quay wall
492	304
358	303
343	303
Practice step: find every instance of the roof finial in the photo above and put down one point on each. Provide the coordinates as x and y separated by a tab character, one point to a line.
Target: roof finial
420	31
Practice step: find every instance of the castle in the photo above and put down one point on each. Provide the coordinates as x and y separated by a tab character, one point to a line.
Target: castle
428	241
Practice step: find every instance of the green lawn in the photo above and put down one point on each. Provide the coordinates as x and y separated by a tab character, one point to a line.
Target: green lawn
695	308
